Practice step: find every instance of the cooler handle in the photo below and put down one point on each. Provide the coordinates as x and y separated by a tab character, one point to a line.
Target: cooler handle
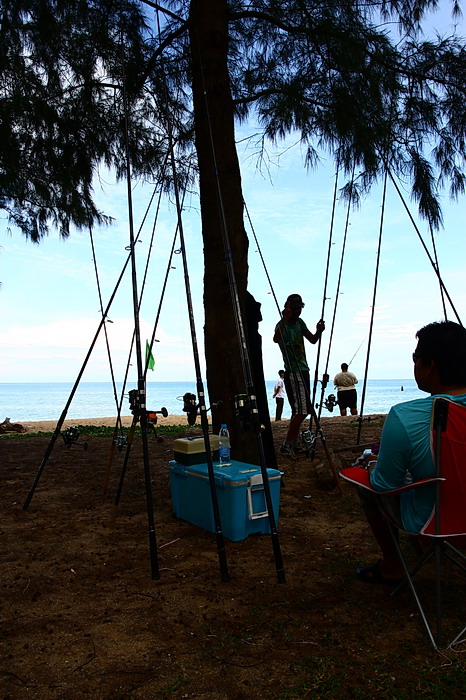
255	480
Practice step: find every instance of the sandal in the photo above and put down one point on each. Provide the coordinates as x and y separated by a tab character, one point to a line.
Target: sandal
372	574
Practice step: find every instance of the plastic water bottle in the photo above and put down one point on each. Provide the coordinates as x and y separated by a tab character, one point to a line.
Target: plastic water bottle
224	444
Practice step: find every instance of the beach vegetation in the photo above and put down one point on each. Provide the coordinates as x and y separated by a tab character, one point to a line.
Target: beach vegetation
102	431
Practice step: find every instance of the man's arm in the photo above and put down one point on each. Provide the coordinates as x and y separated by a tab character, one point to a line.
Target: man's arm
280	329
394	457
314	337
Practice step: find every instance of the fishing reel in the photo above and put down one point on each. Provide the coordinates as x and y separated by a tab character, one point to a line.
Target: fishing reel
71	436
120	441
190	407
134	402
308	438
152	416
330	402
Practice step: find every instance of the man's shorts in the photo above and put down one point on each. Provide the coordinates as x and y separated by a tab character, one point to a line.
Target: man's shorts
374	502
298	391
347	399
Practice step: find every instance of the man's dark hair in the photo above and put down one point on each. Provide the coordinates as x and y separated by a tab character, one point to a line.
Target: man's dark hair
344	367
295	301
444	342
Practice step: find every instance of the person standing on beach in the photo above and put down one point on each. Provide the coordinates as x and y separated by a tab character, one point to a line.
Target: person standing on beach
346	393
279	394
290	332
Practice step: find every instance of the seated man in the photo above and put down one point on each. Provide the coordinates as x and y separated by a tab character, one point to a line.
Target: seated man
405	452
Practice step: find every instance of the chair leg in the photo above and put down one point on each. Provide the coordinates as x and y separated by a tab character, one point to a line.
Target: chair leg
459	557
408	578
436	549
438	589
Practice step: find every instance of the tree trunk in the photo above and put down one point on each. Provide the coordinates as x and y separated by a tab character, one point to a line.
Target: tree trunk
221	201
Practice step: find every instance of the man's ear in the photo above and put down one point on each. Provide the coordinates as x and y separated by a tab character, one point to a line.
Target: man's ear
430	368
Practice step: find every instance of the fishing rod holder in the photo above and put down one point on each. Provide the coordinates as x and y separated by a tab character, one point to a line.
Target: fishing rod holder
71	437
243	410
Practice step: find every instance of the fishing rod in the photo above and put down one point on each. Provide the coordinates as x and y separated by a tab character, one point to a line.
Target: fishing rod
141	384
251	407
220	541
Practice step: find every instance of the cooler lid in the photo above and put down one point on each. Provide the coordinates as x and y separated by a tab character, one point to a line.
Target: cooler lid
235	474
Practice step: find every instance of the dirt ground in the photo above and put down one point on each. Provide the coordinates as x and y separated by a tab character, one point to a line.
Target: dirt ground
81	616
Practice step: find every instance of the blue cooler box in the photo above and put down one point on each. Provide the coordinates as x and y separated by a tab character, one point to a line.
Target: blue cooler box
240	494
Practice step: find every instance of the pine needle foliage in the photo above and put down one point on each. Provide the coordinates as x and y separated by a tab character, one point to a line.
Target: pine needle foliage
353	79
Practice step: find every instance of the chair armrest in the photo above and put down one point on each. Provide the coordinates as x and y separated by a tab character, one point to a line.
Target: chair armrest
361	477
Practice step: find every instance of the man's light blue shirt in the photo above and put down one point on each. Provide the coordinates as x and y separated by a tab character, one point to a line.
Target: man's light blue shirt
405	450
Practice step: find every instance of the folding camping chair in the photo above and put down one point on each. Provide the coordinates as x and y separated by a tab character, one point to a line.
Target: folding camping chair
447	521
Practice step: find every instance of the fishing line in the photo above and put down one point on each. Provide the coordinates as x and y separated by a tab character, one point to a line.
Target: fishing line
349	363
325	377
288	352
432	262
324	295
105	331
261	257
434	248
62	418
361	413
128	442
64	413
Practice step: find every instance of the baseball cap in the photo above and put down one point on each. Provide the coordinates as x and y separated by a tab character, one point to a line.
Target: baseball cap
294	300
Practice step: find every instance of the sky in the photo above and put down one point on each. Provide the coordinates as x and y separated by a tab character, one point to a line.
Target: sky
50	304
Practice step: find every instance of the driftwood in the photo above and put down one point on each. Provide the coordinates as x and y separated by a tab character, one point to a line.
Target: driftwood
8	427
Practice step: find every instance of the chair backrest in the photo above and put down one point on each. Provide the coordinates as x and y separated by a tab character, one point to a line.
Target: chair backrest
448	443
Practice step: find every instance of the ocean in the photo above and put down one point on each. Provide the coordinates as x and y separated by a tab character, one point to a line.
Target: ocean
46	401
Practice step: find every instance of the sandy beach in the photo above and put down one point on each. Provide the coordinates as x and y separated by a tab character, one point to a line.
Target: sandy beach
48	426
83	616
